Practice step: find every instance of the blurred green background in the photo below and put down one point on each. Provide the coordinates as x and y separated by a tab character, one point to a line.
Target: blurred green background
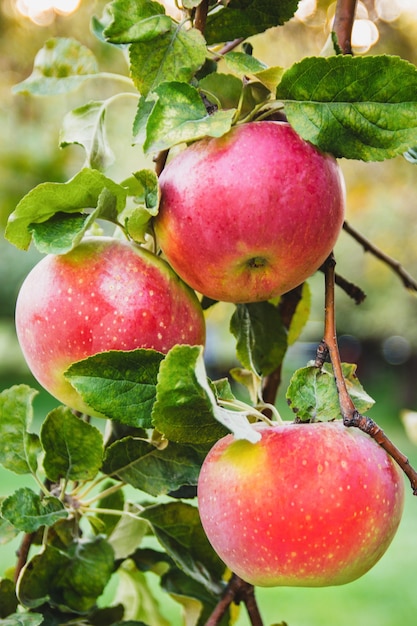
380	334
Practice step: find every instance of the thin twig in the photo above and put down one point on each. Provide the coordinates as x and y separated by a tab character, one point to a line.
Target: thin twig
351	417
228	47
408	281
343	24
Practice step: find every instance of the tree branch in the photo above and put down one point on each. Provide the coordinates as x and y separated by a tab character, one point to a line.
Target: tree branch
351	417
200	17
343	24
408	281
237	591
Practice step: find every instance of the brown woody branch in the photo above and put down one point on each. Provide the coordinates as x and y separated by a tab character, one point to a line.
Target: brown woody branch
351	417
237	591
343	24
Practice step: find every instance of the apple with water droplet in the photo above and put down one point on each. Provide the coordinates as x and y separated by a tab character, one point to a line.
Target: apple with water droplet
249	216
308	505
105	294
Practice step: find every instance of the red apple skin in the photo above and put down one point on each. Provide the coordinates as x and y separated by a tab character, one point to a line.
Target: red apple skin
106	294
309	505
260	208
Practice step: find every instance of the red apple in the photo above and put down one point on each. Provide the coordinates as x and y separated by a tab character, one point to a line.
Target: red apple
103	295
248	216
309	505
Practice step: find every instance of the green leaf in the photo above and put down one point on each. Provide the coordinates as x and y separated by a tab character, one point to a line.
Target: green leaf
23	619
261	336
197	602
173	56
353	107
153	470
128	533
62	65
83	191
71	579
119	384
145	106
64	231
270	77
8	599
178	528
28	511
19	449
186	402
145	189
243	64
73	448
224	90
243	18
135	592
179	115
61	233
184	409
136	20
85	126
312	393
7	531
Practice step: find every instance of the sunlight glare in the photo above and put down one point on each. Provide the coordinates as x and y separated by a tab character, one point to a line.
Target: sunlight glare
42	12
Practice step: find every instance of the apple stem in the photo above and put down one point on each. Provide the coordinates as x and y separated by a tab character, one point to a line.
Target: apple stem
408	281
352	417
237	591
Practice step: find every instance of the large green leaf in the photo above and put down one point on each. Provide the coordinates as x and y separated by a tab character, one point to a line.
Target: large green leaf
19	449
153	470
353	107
62	65
28	511
179	116
173	56
186	409
243	18
119	384
136	20
71	578
83	191
312	393
178	528
73	448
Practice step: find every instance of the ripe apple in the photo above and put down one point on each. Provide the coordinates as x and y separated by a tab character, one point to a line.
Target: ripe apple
309	505
260	208
106	294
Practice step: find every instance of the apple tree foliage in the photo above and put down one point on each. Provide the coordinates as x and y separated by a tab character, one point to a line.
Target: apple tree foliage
114	506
